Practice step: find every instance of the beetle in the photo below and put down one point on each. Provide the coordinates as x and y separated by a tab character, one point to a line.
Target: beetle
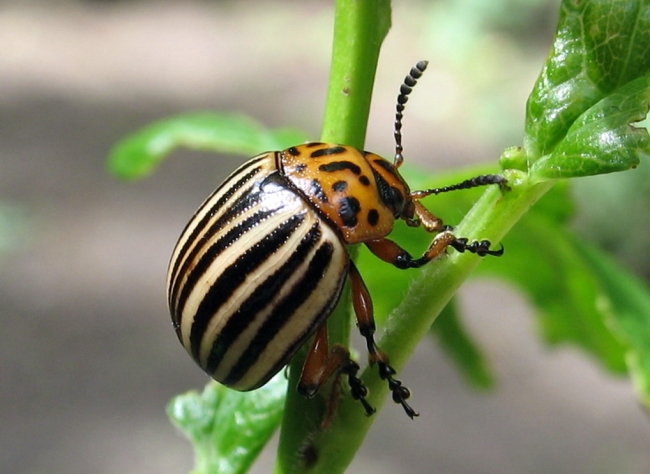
263	261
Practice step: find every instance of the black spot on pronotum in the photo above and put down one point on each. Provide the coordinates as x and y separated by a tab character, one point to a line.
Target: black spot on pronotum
340	186
293	151
373	217
349	207
363	179
335	150
336	166
316	190
301	167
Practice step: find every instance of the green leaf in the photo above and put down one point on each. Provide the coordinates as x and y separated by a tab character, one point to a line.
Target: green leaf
602	140
227	428
626	301
600	46
543	262
458	345
139	153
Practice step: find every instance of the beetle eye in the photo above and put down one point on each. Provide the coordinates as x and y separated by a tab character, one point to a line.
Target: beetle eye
394	199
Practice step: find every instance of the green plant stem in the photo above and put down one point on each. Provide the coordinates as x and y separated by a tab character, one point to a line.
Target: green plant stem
304	446
359	29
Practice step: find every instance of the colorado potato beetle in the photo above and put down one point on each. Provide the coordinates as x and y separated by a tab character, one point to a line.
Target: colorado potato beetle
262	263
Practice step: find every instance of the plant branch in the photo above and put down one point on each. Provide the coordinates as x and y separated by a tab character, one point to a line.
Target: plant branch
359	29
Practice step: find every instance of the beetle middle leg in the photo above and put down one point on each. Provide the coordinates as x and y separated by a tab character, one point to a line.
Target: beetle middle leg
322	363
363	309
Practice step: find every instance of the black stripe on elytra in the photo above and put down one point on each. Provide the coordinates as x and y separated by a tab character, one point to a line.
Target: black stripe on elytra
260	298
283	312
235	274
249	199
333	150
200	226
335	166
207	258
318	319
202	235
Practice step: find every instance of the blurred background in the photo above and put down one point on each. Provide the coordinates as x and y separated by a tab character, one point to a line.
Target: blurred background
88	358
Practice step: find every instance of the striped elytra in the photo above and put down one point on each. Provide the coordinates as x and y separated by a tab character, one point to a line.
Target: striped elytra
263	261
253	275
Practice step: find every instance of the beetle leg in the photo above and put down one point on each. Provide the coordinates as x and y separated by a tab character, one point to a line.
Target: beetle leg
363	309
322	363
390	252
424	218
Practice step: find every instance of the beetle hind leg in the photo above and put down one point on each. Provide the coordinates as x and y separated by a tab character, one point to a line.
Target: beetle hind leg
358	390
322	363
399	391
365	317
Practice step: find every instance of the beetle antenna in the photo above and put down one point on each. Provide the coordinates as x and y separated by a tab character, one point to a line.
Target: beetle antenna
405	89
483	180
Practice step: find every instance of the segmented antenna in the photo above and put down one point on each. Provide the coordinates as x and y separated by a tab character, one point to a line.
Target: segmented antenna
404	90
475	182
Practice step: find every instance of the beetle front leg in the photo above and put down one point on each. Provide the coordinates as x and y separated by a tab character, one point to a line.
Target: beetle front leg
363	309
422	217
390	252
322	363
